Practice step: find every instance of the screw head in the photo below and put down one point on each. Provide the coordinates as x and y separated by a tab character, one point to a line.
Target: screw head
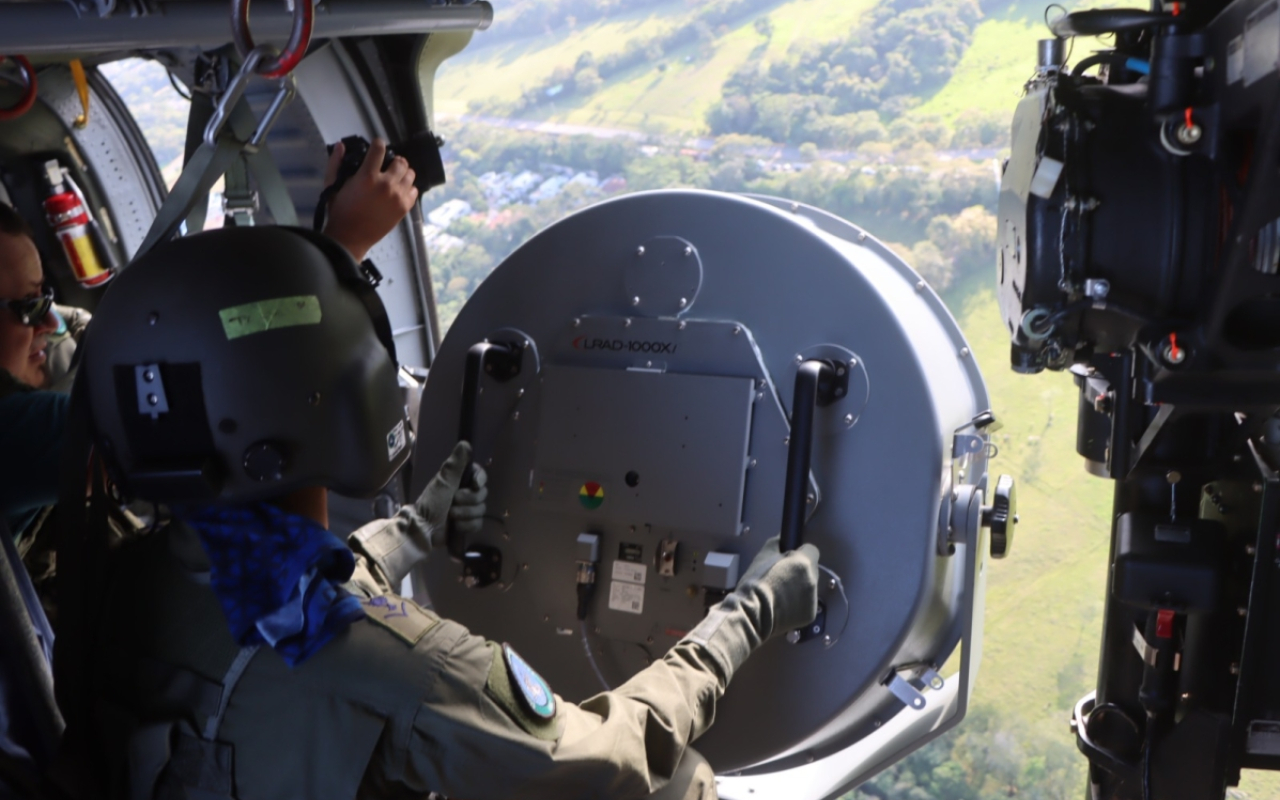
746	529
920	286
737	329
1189	135
848	419
688	250
626	323
148	376
640	250
152	400
793	637
964	352
682	325
635	301
799	358
577	322
684	302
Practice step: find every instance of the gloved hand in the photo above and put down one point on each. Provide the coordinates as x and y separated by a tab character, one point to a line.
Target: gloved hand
445	499
777	593
398	544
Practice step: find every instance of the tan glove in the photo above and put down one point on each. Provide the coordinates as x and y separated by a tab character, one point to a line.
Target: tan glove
778	593
398	544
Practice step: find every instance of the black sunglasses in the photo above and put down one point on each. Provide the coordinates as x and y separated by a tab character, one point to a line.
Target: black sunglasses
31	310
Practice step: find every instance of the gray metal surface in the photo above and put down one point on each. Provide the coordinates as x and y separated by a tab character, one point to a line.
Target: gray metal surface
36	28
774	283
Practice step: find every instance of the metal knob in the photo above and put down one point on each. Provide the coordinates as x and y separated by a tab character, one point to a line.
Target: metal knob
1001	516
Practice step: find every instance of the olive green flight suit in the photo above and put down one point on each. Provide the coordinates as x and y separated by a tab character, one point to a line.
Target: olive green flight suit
401	704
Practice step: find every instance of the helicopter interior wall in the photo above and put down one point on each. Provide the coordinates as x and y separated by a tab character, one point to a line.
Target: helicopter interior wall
108	151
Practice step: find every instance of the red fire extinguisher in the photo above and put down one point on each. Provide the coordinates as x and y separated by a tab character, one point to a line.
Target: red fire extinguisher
71	221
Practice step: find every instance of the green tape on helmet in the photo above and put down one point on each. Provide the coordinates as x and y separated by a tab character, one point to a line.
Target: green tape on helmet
268	315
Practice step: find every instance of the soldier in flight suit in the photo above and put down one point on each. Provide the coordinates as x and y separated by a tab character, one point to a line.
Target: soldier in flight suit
244	652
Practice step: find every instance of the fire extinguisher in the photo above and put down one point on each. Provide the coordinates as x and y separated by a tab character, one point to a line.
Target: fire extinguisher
75	227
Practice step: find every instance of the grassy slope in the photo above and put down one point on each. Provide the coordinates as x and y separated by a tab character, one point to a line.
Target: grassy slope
644	98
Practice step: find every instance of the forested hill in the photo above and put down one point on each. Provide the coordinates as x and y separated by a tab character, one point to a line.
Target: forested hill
836	73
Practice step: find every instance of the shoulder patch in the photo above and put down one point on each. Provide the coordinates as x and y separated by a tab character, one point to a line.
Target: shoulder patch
403	617
522	693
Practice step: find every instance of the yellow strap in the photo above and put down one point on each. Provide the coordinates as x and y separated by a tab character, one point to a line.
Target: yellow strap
82	88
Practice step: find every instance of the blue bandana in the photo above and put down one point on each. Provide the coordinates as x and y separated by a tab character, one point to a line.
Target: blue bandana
278	576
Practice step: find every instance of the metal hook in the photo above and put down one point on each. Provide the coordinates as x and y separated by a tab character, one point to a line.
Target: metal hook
235	91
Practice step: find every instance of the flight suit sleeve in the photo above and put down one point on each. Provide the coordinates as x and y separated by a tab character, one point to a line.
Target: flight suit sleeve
392	547
474	736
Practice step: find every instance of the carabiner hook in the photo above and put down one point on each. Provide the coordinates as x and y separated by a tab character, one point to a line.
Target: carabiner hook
229	98
28	98
299	37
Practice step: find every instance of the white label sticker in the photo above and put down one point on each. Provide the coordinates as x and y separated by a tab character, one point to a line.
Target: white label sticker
1235	60
395	441
628	597
629	571
1261	43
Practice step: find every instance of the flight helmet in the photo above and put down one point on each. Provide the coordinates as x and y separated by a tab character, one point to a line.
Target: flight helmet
240	364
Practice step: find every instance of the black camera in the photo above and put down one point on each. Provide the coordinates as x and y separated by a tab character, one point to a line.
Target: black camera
421	151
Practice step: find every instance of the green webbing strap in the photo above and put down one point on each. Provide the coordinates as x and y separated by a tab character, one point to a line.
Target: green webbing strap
263	167
188	198
199	175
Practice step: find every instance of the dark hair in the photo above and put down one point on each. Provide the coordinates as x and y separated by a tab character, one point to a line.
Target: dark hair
12	223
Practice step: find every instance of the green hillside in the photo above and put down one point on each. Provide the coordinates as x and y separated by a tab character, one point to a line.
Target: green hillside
672	94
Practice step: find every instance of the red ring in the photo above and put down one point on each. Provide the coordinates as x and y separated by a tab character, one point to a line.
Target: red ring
28	98
299	38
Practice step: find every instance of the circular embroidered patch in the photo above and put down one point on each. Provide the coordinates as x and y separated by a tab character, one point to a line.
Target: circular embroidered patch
533	690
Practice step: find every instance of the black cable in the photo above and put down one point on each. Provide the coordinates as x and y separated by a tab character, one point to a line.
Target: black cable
174	83
1146	759
1113	59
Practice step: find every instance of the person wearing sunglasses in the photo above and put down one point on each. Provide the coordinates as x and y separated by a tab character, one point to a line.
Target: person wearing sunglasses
31	421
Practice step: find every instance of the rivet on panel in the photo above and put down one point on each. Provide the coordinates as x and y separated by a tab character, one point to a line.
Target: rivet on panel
640	250
683	302
862	236
626	323
682	325
920	286
688	250
799	358
635	301
737	329
964	352
848	419
576	322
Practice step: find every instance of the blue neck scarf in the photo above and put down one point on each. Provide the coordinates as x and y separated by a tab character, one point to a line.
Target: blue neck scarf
277	576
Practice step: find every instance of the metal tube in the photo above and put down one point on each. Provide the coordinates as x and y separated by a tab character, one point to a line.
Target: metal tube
803	403
55	28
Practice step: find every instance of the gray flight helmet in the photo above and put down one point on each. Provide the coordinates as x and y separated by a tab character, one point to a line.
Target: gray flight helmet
240	364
